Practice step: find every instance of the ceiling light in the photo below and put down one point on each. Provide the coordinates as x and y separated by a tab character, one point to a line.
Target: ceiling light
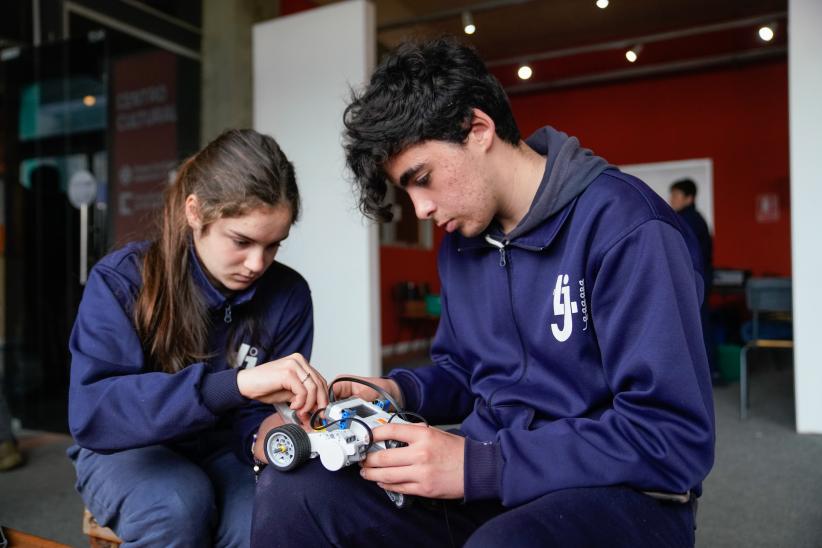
468	23
89	100
766	33
524	72
602	4
633	54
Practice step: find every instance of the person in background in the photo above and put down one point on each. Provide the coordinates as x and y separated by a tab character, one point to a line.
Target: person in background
10	455
682	200
569	347
181	344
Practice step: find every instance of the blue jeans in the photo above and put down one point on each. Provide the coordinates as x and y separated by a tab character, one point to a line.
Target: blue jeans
154	496
311	506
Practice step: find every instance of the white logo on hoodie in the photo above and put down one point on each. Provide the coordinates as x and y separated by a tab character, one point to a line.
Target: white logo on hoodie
563	306
246	357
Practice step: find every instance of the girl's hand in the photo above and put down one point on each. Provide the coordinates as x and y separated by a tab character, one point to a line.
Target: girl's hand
289	379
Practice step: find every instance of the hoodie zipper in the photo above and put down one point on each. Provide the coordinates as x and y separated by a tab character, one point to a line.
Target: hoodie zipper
503	262
499	245
227	316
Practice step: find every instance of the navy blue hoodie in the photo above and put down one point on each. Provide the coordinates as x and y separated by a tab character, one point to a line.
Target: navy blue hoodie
570	349
118	401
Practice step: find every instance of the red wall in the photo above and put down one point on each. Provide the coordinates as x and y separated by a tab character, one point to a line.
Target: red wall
738	117
287	7
400	264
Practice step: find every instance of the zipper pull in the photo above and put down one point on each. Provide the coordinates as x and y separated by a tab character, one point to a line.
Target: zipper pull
227	316
499	245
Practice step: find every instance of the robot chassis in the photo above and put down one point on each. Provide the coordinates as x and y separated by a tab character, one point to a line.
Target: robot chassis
347	438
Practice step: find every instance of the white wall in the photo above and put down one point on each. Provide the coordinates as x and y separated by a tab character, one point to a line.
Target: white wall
805	93
660	175
303	66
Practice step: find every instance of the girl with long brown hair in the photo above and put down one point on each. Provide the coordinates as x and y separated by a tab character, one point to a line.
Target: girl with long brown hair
180	345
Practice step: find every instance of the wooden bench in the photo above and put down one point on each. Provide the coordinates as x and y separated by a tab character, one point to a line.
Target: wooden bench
19	539
99	536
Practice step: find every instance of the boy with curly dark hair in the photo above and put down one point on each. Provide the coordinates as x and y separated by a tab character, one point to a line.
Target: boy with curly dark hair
569	348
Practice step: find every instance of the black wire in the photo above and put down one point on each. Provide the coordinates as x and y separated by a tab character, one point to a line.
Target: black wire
370	432
403	414
314	415
398	411
373	386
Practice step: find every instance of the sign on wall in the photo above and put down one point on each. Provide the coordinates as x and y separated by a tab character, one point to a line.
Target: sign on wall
145	139
660	175
767	208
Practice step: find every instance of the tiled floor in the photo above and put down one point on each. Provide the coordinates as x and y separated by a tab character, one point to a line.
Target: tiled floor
765	489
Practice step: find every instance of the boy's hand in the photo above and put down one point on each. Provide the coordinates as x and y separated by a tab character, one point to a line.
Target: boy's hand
347	389
431	465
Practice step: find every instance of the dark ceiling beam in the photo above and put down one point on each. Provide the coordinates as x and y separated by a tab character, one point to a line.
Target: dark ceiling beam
652	70
449	13
646	39
140	23
162	15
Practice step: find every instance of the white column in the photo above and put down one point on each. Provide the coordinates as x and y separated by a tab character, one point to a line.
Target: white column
303	67
805	84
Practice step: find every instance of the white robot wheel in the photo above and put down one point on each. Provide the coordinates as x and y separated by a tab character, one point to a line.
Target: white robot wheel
287	447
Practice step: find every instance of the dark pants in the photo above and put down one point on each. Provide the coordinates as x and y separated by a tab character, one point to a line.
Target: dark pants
314	507
153	496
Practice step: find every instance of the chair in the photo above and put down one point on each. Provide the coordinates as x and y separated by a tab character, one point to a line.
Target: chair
99	536
767	298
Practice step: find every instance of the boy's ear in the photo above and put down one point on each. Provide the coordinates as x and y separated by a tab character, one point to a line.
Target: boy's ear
193	212
483	130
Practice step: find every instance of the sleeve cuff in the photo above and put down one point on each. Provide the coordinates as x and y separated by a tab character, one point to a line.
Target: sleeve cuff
483	462
220	392
408	387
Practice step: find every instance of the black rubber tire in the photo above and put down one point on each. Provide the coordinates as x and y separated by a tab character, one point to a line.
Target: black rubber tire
300	442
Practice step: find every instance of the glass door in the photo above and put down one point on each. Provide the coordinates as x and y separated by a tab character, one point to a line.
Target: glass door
54	131
91	130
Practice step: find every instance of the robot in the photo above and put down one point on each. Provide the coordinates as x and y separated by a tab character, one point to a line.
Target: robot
346	438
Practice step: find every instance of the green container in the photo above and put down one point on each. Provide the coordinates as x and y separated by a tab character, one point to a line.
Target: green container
433	305
728	361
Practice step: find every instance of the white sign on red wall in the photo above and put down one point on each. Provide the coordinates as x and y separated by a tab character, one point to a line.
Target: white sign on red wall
144	151
767	208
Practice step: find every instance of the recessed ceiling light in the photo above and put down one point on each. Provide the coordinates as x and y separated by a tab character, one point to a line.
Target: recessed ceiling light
524	72
766	33
602	4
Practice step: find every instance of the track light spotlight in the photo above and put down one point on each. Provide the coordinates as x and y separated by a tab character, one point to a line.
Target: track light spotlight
524	71
633	54
766	32
468	25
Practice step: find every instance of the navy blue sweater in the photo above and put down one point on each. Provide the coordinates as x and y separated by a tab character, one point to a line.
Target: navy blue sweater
572	353
117	400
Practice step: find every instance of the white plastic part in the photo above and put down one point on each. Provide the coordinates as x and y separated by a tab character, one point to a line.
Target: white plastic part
333	457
